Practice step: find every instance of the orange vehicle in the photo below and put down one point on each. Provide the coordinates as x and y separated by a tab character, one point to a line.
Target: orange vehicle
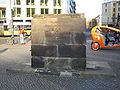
105	37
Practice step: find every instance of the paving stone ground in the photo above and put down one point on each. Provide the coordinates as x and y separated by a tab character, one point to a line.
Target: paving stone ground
15	56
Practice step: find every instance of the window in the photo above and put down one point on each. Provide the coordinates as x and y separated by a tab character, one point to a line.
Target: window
17	27
16	12
2	12
17	2
57	3
106	5
30	2
57	11
44	11
30	12
54	3
119	9
105	10
114	10
43	2
27	27
5	27
70	10
114	4
113	15
17	20
119	3
28	20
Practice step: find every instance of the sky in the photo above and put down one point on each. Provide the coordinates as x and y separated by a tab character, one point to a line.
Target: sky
91	8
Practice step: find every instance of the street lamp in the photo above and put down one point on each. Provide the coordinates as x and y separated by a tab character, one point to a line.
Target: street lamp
11	30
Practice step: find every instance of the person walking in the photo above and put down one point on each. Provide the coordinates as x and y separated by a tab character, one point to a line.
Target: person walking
21	36
116	36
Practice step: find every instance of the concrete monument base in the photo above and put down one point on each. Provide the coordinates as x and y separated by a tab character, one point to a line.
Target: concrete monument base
59	42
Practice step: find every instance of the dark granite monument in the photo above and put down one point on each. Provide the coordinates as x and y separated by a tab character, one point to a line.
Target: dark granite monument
59	42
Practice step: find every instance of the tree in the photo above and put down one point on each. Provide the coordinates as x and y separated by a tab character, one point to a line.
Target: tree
94	22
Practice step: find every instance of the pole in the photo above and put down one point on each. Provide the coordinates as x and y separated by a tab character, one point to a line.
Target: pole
107	21
11	23
118	19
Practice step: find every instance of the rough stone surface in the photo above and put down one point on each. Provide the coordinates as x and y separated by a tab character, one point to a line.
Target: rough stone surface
43	50
58	37
72	51
37	62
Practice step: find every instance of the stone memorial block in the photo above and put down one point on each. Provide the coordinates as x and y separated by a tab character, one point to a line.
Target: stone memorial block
59	41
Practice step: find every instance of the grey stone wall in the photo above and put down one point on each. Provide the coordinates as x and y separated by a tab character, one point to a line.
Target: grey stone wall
59	42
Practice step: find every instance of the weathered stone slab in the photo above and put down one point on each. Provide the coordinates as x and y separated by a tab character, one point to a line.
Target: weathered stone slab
65	29
43	50
59	64
50	38
78	63
37	62
72	51
60	40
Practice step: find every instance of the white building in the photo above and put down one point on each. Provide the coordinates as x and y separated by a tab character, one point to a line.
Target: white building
23	10
110	11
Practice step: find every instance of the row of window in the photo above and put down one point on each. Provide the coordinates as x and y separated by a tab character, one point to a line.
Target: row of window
42	2
114	10
30	12
18	27
32	2
114	4
2	12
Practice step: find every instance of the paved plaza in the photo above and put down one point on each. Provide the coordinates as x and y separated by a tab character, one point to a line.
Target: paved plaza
19	56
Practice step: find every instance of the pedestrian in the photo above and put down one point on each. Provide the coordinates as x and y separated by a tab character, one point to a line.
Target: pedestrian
116	36
21	36
107	40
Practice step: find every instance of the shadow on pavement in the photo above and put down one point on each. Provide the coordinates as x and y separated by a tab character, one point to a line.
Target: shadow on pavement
113	49
3	50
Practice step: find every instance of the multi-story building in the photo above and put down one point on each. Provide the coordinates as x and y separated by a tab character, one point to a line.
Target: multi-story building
23	10
110	11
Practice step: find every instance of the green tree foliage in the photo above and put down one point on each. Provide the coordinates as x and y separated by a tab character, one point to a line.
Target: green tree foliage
94	22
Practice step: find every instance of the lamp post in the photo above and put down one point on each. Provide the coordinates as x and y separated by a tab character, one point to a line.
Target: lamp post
11	23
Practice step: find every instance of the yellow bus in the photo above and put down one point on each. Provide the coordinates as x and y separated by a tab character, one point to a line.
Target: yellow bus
27	30
16	32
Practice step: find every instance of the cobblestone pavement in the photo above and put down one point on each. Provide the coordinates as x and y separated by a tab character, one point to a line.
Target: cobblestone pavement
15	56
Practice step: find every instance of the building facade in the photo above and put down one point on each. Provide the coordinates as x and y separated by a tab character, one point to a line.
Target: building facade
23	10
110	11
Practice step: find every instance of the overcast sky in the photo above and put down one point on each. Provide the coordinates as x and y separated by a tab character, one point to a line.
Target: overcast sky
91	8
